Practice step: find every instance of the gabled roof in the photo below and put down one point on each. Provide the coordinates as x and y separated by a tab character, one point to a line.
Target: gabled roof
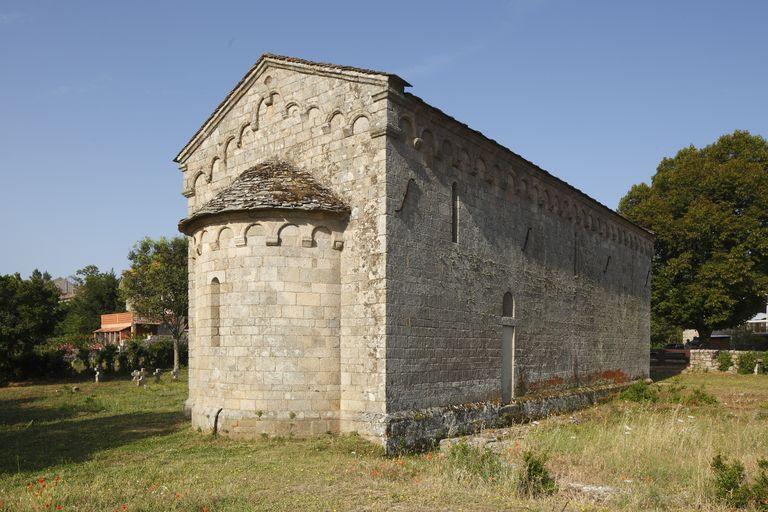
361	74
281	61
271	185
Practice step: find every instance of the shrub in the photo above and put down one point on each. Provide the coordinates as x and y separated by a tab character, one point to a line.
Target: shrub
84	355
760	487
122	362
534	479
157	353
730	482
675	393
699	397
732	488
479	462
746	340
639	392
724	361
46	361
747	362
134	351
105	357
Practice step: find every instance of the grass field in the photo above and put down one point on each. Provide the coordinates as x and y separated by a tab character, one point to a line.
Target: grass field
113	446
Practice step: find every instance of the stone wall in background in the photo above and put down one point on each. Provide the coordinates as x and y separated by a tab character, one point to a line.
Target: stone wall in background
706	360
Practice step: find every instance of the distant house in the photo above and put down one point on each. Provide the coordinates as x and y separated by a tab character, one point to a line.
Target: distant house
758	323
67	288
721	339
118	327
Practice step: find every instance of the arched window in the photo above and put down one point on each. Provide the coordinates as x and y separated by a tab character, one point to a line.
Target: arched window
508	306
215	299
454	213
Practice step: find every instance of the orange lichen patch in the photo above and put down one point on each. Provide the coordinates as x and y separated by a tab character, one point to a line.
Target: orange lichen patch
615	376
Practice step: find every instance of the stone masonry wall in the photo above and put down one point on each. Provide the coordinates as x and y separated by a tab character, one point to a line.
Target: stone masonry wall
267	333
706	360
327	125
578	273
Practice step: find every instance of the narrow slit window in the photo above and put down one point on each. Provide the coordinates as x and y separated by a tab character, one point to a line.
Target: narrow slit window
215	313
454	213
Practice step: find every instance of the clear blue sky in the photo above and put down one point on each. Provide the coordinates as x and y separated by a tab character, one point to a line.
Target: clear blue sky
97	97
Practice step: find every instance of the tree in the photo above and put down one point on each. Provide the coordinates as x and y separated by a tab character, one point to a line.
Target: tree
97	294
709	210
156	284
29	311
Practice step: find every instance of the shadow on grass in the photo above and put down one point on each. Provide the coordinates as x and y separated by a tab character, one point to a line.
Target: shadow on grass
40	446
662	371
21	411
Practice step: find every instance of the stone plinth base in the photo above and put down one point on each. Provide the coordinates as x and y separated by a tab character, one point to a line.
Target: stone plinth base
422	430
408	430
244	425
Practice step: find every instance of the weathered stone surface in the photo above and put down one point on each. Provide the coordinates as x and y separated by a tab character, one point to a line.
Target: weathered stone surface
306	319
424	429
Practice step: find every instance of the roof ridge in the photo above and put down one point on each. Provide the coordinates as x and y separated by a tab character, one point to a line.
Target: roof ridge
299	60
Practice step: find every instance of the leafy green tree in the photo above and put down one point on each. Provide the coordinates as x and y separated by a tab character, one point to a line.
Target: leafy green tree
662	332
97	294
156	284
29	311
709	210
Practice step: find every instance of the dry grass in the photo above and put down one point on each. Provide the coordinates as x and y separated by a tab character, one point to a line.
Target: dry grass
112	446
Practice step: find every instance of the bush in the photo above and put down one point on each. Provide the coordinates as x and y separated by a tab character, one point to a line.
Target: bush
43	361
674	393
134	353
157	353
478	462
122	362
105	357
731	486
729	482
534	479
724	361
84	355
760	487
699	397
747	340
747	362
639	392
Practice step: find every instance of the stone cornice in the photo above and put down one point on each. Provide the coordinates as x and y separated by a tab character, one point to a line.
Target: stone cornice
460	130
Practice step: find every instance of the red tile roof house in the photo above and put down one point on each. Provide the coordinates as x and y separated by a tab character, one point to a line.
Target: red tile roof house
116	328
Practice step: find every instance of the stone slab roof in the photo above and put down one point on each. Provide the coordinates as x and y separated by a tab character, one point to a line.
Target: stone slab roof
271	185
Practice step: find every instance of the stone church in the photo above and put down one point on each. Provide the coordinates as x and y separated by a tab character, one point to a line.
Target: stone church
361	261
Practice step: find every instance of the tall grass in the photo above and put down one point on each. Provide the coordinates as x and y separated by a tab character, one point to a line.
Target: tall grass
113	444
